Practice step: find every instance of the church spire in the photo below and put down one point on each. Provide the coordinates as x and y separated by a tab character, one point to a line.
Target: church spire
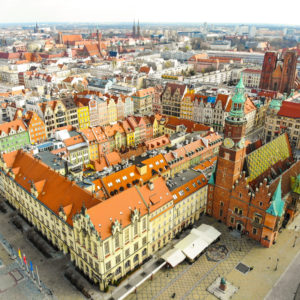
238	102
138	29
133	29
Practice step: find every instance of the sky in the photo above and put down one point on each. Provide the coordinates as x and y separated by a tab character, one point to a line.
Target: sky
162	11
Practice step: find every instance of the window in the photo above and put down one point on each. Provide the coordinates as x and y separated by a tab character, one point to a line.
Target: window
110	184
144	252
135	229
106	248
221	212
254	231
126	235
236	210
144	224
127	252
117	240
231	220
124	177
127	264
136	246
257	219
144	240
118	259
108	266
221	203
118	180
260	203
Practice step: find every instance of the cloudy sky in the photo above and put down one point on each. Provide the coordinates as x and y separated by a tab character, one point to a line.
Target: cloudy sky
213	11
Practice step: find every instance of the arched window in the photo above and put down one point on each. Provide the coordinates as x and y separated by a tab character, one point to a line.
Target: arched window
144	252
118	271
127	264
136	258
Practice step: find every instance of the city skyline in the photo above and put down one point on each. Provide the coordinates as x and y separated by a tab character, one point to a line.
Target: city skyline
94	12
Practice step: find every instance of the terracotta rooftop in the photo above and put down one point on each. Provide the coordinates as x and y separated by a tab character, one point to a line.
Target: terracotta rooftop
55	191
290	110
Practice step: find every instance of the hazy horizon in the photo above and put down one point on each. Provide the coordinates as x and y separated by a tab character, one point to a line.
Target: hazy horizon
189	11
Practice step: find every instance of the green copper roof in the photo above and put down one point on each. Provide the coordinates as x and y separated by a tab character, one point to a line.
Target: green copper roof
212	177
295	184
275	104
240	85
238	101
277	204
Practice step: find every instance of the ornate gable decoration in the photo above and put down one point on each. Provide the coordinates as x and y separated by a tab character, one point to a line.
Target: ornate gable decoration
135	215
116	227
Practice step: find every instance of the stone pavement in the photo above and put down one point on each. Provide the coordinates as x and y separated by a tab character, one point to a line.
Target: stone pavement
286	287
191	281
15	283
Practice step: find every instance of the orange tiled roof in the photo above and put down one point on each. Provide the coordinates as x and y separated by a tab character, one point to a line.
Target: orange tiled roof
77	139
71	38
120	206
249	106
15	125
55	190
144	69
158	142
131	175
189	188
190	125
144	92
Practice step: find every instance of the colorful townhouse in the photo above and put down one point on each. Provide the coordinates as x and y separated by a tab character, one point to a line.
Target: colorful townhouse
83	112
35	126
54	115
13	136
143	100
97	140
130	142
77	150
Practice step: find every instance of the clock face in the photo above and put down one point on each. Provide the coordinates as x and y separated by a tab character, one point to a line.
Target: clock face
228	143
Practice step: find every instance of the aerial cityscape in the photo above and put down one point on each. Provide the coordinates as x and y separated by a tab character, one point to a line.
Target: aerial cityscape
149	152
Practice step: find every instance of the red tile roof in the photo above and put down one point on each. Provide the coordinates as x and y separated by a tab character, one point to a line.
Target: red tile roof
290	110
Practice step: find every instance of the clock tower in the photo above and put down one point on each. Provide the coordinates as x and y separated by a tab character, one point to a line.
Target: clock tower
231	156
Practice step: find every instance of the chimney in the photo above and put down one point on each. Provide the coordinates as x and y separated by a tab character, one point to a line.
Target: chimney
151	186
66	168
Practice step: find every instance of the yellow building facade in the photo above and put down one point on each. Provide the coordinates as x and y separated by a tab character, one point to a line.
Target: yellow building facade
105	239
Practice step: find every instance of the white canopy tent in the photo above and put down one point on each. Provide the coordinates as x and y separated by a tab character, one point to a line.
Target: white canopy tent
209	233
191	245
174	257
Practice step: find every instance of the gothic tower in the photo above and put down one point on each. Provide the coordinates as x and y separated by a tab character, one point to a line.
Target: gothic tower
288	72
138	29
99	37
133	30
231	157
269	65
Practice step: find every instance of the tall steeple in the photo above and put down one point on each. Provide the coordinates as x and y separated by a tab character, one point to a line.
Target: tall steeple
138	29
133	30
238	102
